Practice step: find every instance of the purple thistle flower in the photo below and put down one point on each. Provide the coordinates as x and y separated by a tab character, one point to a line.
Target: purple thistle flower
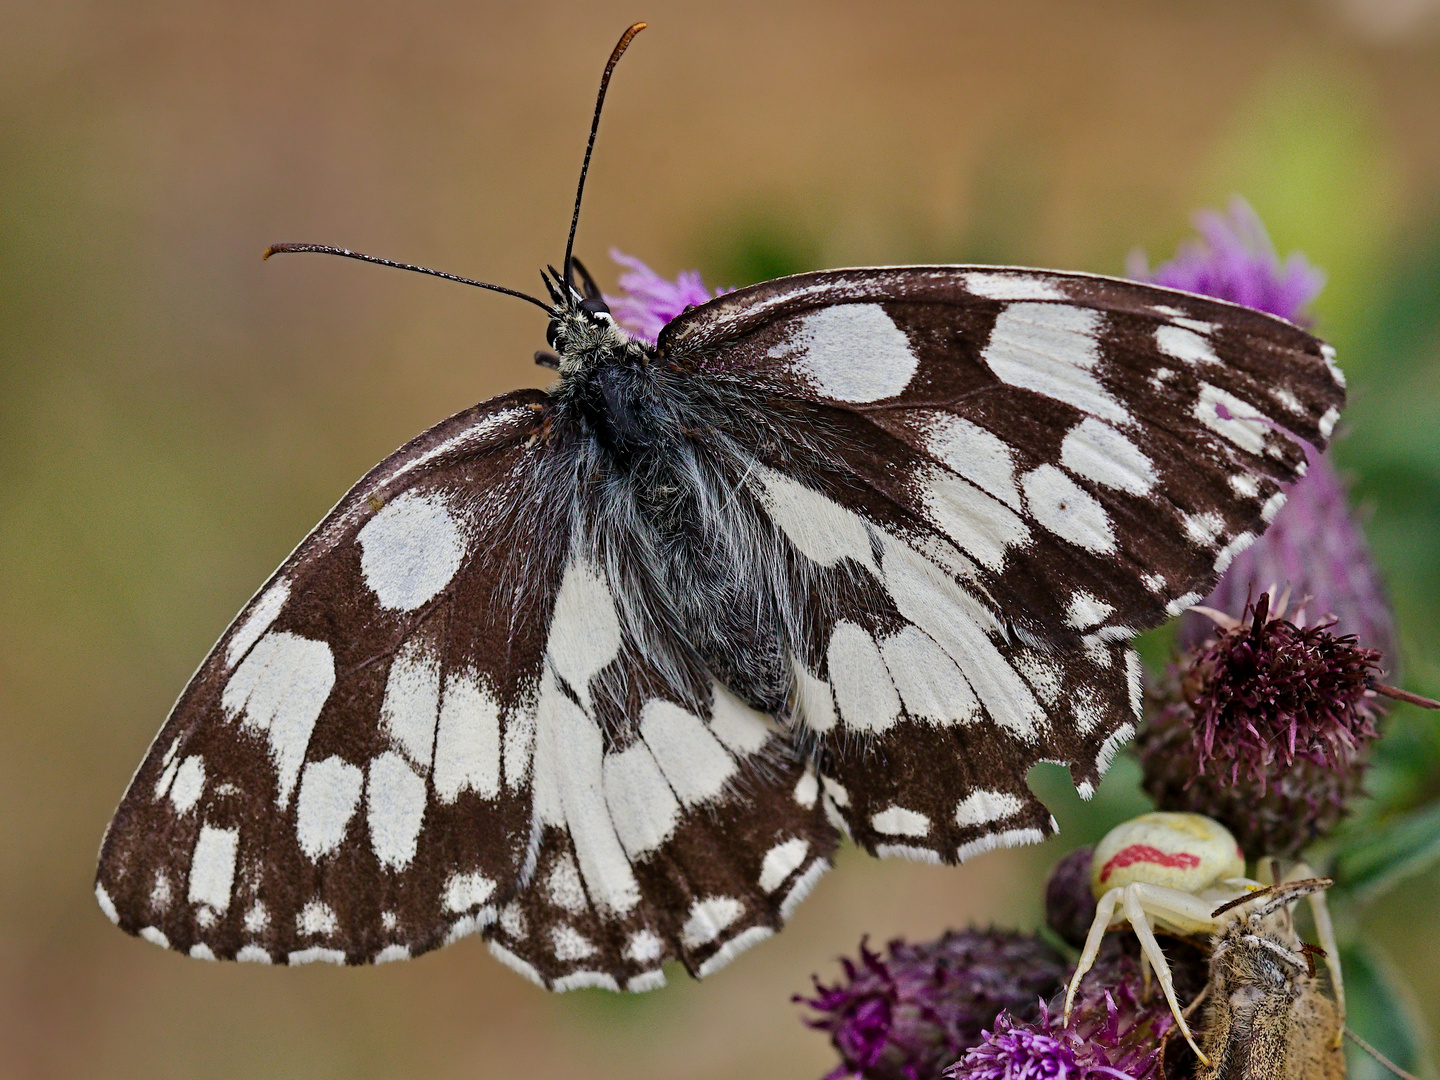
651	301
906	1015
1110	1037
1234	260
1264	728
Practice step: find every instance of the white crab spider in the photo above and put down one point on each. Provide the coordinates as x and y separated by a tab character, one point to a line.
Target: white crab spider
1185	874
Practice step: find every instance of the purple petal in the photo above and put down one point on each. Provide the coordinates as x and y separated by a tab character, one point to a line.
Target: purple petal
1234	260
651	301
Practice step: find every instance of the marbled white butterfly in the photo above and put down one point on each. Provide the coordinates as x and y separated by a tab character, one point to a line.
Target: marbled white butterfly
602	673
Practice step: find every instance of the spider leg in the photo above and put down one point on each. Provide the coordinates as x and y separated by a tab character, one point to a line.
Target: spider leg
1140	922
1104	912
1325	931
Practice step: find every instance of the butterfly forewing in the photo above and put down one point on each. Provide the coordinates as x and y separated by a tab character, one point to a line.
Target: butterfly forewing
302	802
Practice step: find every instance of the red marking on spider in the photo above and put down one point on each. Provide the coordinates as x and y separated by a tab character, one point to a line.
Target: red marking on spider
1144	853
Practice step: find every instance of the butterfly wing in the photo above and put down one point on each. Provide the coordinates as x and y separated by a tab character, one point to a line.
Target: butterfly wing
429	722
987	481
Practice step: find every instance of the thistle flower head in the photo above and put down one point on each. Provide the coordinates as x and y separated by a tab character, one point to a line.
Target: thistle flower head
908	1013
1264	728
651	301
1234	260
1110	1035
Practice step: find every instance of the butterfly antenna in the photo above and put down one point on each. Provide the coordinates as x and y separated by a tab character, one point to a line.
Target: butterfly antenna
325	249
619	51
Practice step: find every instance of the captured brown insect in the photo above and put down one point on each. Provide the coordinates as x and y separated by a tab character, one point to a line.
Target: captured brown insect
1266	1017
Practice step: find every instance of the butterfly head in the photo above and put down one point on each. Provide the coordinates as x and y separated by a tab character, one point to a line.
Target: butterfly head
582	331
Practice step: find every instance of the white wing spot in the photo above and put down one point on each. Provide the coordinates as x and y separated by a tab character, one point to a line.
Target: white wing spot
279	690
257	920
820	528
1096	451
410	550
978	455
160	892
585	629
1272	506
853	352
467	741
1009	838
391	953
512	921
563	887
1327	422
569	944
867	698
980	525
1184	344
1051	349
212	867
709	918
569	792
900	821
1086	611
1245	485
742	729
514	963
807	789
958	624
1203	529
643	947
265	612
1226	554
1237	423
641	805
692	759
993	286
106	904
189	783
801	889
983	807
1067	510
733	948
781	861
466	891
930	685
412	699
317	917
155	936
316	955
201	951
394	809
329	796
814	703
253	954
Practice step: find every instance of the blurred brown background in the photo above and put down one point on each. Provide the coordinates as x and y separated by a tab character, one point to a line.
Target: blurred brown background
175	414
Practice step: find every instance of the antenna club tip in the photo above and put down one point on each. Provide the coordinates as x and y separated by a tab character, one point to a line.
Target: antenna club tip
271	250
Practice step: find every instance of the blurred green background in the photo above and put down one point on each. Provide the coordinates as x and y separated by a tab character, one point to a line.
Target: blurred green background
175	414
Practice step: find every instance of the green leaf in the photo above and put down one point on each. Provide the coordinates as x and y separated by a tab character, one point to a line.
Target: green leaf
1374	860
1380	1011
